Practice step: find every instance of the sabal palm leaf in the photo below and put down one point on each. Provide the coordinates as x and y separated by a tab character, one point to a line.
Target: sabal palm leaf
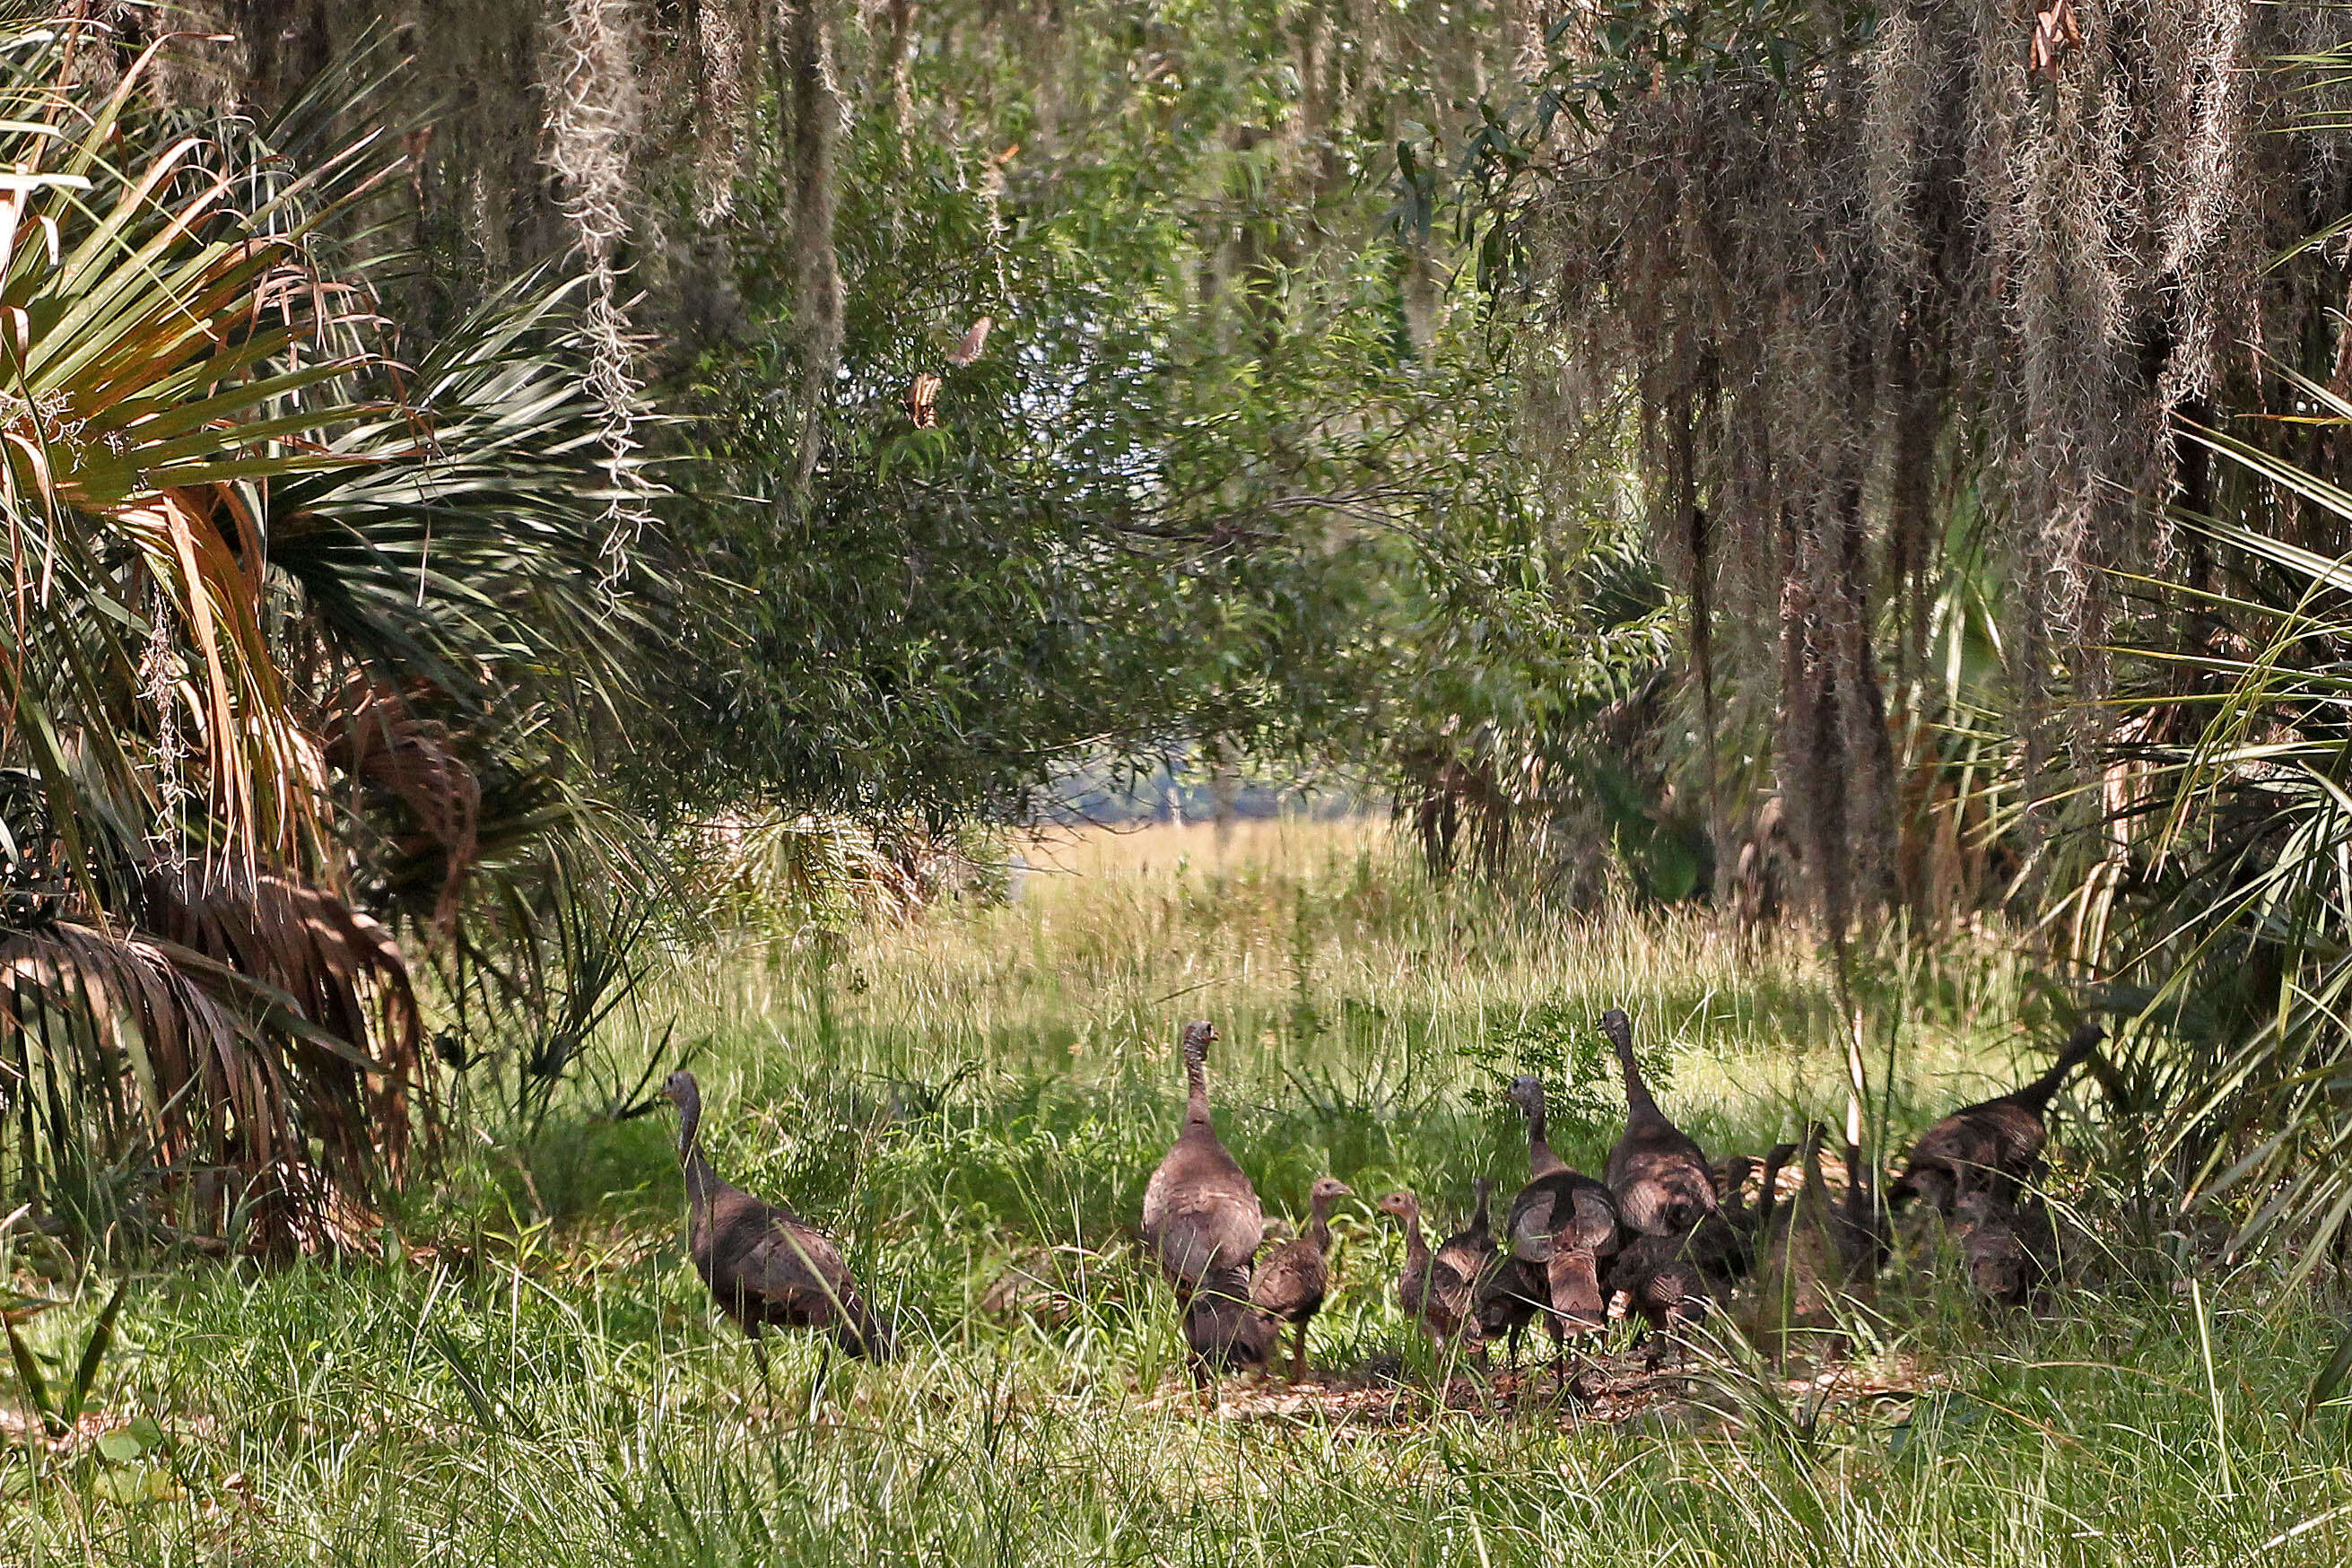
457	532
2241	918
250	554
151	338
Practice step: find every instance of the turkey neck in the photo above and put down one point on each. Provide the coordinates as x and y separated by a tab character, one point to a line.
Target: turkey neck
1196	1087
1320	1206
1637	1093
1774	1164
1816	1192
1861	1188
1541	1160
2043	1089
1416	1246
1482	1220
700	1180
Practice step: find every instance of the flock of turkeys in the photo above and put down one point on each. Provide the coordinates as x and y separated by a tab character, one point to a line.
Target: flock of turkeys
1660	1236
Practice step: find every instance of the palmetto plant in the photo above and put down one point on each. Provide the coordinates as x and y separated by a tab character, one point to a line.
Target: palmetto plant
2226	897
265	590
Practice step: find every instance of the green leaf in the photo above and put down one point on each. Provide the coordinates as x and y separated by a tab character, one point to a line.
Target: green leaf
37	1387
120	1445
2330	1379
93	1354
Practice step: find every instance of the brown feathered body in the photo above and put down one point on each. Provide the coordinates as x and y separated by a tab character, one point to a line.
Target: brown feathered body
1994	1146
1224	1330
1562	1228
1200	1215
765	1266
1504	1303
1291	1281
1559	1228
2007	1251
1471	1251
1432	1289
1664	1284
1659	1174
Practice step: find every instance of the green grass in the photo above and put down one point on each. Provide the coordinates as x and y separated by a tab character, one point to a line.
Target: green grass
981	1094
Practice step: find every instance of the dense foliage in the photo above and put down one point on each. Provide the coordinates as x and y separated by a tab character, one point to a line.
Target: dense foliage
291	622
1735	452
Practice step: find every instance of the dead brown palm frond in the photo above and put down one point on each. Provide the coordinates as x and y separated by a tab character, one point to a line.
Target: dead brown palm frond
113	1054
342	1003
248	1054
378	738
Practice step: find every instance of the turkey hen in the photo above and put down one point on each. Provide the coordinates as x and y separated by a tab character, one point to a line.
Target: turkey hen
1994	1146
1200	1215
765	1266
1660	1175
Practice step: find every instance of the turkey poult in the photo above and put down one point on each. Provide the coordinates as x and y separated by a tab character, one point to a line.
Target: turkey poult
1506	1305
1200	1215
1292	1280
1994	1146
765	1266
1661	1178
1663	1283
1471	1251
1429	1288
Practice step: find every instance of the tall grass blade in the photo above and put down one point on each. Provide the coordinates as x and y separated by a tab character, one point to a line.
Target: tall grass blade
2331	1378
37	1387
94	1355
2213	1387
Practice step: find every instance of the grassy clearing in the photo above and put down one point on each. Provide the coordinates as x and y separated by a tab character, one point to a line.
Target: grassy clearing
973	1102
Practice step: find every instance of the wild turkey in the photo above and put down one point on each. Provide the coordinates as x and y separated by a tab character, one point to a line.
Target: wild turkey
1527	1094
1561	1227
2006	1251
1667	1281
1224	1330
1663	1282
1503	1304
1432	1289
1200	1215
765	1266
1993	1146
1525	1283
1855	1231
1659	1174
1290	1282
1506	1303
1471	1251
